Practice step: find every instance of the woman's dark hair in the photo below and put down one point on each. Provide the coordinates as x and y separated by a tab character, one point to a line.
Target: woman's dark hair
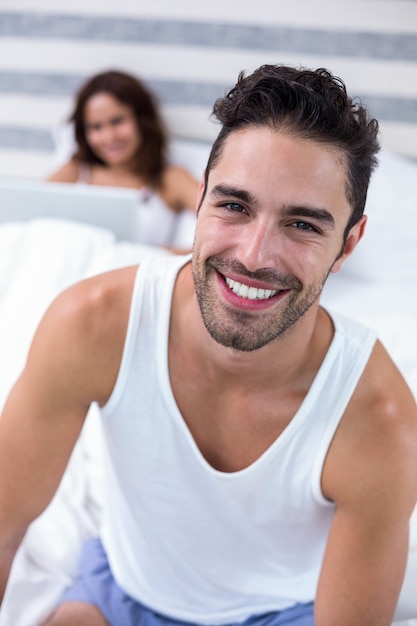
310	105
151	158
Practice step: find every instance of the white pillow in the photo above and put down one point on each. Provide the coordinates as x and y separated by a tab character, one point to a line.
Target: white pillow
193	155
388	250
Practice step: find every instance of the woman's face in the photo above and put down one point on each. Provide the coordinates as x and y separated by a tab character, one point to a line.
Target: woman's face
111	129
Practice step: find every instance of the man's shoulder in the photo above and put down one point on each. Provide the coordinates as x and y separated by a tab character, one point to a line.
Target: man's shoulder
80	338
97	294
378	431
91	314
383	390
381	386
383	406
108	295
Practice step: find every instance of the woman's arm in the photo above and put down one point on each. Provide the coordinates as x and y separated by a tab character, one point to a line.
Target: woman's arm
179	189
67	173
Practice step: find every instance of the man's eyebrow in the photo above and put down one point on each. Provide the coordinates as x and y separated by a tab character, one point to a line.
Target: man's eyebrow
227	191
320	215
222	191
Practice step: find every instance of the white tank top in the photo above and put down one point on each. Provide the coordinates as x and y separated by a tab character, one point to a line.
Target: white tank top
157	223
195	543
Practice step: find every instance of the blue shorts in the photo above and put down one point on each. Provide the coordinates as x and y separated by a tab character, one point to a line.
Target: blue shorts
95	585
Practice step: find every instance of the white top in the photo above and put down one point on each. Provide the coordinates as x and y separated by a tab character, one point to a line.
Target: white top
195	543
157	222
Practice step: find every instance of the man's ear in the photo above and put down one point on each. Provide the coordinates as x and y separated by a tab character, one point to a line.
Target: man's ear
352	240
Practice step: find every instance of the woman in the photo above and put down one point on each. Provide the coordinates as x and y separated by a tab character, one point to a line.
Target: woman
121	141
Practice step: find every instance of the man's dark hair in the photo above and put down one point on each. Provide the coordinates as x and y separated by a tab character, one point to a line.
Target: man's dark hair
308	104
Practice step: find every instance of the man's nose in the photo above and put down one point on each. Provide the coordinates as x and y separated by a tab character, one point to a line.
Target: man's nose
259	245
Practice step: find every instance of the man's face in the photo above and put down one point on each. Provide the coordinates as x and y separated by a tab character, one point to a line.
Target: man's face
270	229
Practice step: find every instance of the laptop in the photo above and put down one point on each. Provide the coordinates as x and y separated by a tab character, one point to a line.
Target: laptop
107	207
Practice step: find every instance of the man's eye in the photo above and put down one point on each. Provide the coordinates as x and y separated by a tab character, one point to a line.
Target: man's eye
304	226
234	206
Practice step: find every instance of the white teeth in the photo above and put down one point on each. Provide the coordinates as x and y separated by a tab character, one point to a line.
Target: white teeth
243	291
252	293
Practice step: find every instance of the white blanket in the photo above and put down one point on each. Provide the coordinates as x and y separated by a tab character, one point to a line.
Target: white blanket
37	260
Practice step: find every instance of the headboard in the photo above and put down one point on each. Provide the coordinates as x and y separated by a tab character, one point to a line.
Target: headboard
190	53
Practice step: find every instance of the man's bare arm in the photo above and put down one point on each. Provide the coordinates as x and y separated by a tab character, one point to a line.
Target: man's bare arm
73	361
371	475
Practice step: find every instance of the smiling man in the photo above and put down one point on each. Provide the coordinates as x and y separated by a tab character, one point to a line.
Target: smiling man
280	242
260	452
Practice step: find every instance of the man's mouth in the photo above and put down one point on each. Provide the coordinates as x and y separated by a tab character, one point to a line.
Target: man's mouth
251	293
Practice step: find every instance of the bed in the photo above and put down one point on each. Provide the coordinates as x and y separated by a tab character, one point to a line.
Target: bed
189	53
376	286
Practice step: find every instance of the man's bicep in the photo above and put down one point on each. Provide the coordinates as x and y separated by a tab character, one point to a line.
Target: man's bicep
40	423
36	441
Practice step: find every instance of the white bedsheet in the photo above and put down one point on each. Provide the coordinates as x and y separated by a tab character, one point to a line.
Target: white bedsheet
37	260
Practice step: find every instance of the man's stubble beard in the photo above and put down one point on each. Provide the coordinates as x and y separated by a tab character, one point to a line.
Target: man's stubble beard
243	330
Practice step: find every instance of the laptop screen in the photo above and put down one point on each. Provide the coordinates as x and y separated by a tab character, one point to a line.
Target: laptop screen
107	207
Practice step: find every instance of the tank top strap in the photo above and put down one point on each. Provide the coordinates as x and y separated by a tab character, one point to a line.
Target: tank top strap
84	173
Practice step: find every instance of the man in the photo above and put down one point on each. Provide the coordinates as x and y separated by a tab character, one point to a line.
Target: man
261	455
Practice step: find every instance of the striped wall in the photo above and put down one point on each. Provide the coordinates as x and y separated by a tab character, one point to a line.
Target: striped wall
189	53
